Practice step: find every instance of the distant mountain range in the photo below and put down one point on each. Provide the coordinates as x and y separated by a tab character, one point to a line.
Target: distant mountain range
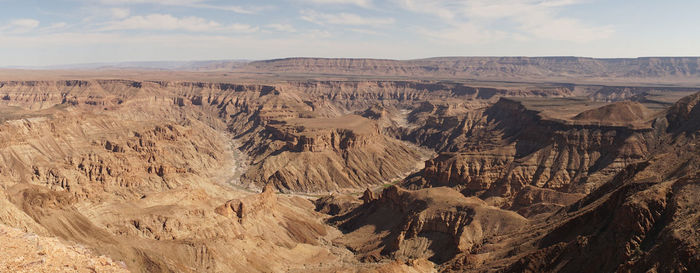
647	69
497	68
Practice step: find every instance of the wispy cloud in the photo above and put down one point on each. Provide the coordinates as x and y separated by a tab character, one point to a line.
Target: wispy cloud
534	18
442	9
565	29
120	13
20	25
239	28
158	2
464	33
55	26
25	23
158	21
364	31
232	8
202	4
350	19
281	27
360	3
163	22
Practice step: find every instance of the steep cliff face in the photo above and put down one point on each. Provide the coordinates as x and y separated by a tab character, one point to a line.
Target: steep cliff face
508	147
683	116
359	94
638	224
37	95
643	219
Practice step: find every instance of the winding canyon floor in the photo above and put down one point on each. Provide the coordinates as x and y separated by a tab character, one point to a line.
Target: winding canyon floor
271	169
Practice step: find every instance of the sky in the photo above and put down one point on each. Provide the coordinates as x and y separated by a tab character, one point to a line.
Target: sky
55	32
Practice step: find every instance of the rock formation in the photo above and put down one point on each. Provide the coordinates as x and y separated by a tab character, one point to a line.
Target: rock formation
511	146
250	205
435	224
619	112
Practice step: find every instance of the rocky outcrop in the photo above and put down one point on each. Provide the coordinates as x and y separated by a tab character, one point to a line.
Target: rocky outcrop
328	154
337	204
683	116
324	134
620	112
251	205
368	196
532	200
435	223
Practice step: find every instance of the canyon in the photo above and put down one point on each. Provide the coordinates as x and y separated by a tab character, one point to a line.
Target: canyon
354	165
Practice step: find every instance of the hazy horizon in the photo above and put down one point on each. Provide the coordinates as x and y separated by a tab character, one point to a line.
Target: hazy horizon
145	63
